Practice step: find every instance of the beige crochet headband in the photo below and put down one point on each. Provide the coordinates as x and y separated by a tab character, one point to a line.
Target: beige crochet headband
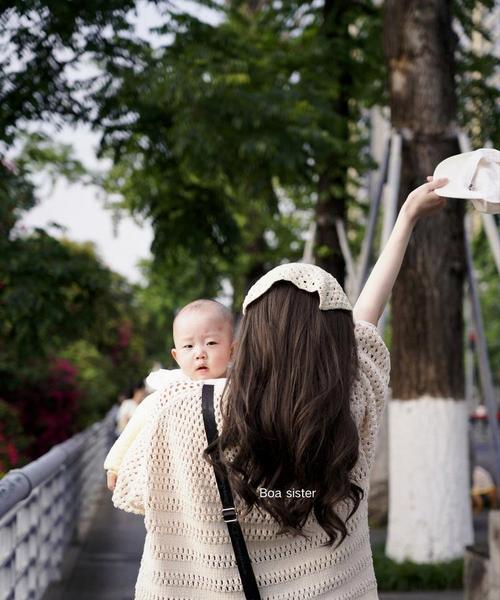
306	277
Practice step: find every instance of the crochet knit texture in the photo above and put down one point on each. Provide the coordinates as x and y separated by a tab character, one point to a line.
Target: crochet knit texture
307	277
188	553
156	380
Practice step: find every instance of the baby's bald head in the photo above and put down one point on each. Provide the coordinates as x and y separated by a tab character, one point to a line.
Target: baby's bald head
210	309
203	338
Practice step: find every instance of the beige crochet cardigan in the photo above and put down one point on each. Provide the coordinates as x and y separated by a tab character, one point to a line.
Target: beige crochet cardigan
188	553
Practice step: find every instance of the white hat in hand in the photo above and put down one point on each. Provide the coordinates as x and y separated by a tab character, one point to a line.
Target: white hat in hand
472	175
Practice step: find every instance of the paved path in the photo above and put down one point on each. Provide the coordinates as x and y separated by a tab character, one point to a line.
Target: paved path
452	595
106	566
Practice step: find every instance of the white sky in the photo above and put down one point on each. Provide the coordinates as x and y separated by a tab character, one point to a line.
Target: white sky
80	209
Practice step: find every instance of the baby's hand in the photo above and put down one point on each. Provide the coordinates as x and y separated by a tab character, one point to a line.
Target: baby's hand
424	201
111	478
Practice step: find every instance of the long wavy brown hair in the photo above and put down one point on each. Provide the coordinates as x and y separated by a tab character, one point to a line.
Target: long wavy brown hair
287	422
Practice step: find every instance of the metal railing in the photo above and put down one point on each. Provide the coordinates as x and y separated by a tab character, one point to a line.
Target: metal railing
45	506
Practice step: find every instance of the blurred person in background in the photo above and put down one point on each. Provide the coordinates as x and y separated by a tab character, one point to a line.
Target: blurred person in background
128	406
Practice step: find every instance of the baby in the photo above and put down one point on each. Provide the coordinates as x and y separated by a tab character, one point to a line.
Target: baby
203	338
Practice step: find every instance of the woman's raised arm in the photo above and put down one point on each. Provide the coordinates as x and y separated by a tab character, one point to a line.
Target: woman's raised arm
375	294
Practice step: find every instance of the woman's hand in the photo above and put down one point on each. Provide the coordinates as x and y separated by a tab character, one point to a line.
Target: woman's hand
424	201
111	478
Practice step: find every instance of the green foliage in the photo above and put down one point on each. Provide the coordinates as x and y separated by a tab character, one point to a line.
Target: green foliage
39	153
96	381
36	153
409	576
208	133
51	292
17	195
43	43
477	72
71	336
54	293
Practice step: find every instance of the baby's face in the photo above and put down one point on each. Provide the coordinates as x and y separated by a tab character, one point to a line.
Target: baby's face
203	344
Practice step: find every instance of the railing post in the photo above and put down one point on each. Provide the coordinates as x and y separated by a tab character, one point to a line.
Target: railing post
494	551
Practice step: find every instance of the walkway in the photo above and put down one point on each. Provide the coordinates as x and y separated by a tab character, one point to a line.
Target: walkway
105	568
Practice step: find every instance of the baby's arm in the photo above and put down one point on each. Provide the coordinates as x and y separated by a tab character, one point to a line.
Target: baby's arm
373	298
128	435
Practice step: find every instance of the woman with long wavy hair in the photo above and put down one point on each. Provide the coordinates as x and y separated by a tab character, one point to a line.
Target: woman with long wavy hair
298	418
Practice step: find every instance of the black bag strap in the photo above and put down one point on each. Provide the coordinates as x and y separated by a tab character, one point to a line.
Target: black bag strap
228	511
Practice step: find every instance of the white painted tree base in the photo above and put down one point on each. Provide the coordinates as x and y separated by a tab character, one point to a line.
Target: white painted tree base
430	517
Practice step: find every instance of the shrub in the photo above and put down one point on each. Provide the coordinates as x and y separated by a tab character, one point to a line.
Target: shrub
410	576
13	442
48	406
96	381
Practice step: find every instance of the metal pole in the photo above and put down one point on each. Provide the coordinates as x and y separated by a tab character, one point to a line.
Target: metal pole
469	355
346	252
491	229
393	180
308	256
391	203
463	141
364	259
482	353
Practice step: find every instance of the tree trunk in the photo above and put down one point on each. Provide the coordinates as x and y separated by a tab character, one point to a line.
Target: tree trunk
429	508
331	202
329	207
